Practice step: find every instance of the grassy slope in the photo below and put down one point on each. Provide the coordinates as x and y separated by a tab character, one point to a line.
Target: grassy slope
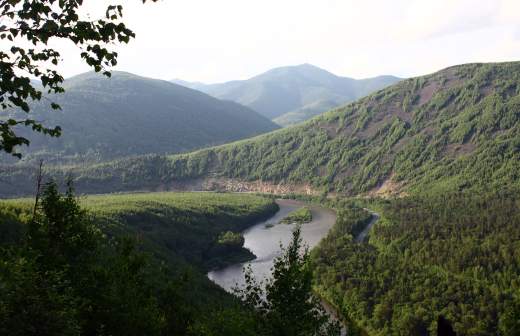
187	224
452	130
179	228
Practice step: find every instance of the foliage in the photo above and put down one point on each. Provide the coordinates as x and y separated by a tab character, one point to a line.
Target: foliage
174	226
299	216
231	239
35	24
455	255
288	305
168	294
510	321
68	280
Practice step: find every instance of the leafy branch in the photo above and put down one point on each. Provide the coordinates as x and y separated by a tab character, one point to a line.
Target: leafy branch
29	25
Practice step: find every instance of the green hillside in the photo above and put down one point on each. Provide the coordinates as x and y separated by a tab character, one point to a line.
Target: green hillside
456	129
177	226
130	115
456	255
301	91
181	229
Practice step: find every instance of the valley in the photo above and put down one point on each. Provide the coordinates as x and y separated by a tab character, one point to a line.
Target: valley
434	158
446	132
260	168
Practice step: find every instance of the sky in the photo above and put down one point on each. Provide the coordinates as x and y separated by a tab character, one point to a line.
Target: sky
215	41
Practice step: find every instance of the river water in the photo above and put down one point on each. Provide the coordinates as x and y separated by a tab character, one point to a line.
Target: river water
263	239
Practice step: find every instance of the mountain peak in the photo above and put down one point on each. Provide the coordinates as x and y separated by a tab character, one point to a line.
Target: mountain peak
293	88
309	66
300	69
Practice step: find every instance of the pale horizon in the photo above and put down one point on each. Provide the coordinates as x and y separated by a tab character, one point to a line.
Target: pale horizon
213	42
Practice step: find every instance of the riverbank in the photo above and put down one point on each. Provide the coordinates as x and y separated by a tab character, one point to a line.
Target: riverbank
264	238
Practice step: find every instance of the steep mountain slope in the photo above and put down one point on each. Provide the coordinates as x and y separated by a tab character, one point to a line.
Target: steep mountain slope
130	115
303	90
453	130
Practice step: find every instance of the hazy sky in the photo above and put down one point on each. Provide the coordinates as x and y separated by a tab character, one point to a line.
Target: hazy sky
219	40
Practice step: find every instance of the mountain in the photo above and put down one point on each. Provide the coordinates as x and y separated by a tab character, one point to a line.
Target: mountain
457	129
306	112
301	91
104	118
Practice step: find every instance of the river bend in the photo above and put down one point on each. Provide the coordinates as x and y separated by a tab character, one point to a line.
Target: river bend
264	239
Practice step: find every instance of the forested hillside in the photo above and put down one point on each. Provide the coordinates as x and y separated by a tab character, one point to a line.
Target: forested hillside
455	255
175	226
453	130
130	115
293	94
180	231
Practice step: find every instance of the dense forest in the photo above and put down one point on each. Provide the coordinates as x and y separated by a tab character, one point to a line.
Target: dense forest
161	245
453	130
174	226
455	255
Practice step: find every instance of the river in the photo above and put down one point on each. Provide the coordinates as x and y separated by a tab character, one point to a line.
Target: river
264	238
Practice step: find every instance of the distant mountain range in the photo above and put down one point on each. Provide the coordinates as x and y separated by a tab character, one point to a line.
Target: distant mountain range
105	118
292	94
457	129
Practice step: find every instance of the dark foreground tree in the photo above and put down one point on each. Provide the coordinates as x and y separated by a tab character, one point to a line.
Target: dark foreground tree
26	29
66	278
287	304
444	327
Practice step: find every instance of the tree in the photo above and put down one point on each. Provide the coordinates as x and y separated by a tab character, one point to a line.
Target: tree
29	26
68	279
288	305
444	327
510	321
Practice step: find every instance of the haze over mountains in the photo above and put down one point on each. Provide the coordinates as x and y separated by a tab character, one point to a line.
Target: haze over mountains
292	94
456	129
126	115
